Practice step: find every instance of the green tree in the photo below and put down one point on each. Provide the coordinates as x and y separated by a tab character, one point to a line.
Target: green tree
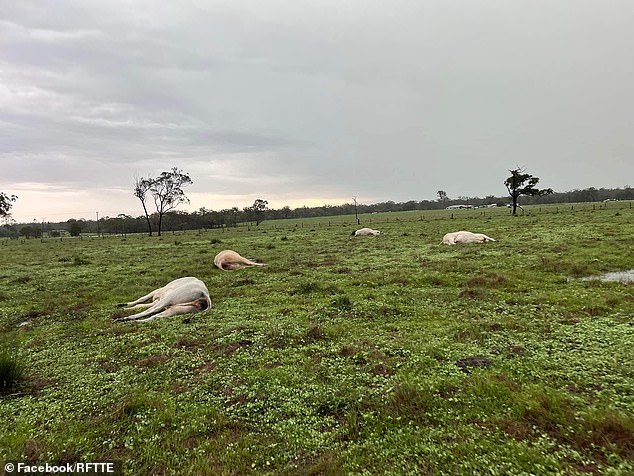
6	202
229	216
520	183
74	227
29	231
257	210
167	191
442	195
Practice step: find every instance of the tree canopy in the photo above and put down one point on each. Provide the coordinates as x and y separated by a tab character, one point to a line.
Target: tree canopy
166	190
6	202
256	211
520	183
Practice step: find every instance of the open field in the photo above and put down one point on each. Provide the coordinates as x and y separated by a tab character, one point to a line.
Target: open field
376	355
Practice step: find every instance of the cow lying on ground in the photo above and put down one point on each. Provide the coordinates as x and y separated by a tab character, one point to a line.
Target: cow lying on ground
180	296
465	237
157	293
229	259
365	232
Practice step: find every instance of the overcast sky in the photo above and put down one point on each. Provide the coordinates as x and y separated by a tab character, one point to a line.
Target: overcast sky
309	102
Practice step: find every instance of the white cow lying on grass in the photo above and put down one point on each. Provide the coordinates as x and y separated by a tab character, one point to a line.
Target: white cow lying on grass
229	259
465	237
366	232
180	296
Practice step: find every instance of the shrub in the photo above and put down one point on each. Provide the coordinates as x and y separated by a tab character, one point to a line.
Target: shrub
10	371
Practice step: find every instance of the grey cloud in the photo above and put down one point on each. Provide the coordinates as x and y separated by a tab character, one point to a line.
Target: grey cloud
320	98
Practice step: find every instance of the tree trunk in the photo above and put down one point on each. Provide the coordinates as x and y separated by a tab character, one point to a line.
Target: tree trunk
147	217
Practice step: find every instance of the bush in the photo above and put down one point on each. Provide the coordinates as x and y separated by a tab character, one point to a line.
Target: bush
10	371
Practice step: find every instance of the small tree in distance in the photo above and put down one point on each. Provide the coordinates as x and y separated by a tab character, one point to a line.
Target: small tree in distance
74	227
520	183
167	192
141	188
258	208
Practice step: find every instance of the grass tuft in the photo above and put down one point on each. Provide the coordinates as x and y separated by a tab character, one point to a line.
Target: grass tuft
11	371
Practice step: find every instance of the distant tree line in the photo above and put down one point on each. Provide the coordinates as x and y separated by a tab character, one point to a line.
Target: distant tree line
205	218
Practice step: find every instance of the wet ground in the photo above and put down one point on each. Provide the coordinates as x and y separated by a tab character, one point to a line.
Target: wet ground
617	276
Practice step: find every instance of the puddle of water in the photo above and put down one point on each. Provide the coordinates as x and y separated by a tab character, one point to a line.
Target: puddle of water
617	276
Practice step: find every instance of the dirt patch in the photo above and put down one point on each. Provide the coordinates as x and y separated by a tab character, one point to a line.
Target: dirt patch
206	368
472	293
152	361
382	370
33	450
492	280
516	350
477	361
187	343
230	348
347	351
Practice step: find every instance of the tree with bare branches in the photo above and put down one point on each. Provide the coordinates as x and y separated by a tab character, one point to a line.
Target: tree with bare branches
167	192
141	188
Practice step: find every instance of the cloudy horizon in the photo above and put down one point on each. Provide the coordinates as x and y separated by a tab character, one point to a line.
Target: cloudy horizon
309	103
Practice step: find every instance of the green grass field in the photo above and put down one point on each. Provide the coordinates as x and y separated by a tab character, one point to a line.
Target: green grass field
368	355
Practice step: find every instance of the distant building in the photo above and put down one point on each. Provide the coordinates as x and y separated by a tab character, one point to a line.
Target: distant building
458	207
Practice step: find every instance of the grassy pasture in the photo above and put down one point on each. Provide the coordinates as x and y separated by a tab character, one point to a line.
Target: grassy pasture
374	355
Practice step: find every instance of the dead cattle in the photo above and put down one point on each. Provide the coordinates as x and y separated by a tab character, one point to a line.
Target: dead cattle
157	293
229	259
180	296
366	232
465	237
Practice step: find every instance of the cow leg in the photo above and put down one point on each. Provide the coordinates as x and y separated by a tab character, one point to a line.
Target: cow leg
155	308
141	306
174	310
145	298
